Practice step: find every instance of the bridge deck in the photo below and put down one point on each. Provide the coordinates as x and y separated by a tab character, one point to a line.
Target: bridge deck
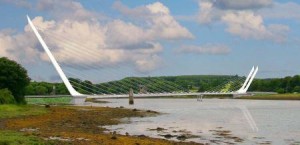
160	95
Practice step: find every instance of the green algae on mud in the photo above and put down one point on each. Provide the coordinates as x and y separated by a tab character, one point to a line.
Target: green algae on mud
80	125
8	137
10	111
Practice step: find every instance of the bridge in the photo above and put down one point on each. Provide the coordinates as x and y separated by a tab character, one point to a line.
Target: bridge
159	92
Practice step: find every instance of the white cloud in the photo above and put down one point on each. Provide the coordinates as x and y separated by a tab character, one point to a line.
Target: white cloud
248	25
78	43
148	63
213	49
77	37
241	19
158	21
19	47
65	9
205	14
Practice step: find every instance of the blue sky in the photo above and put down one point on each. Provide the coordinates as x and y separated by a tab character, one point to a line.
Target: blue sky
151	38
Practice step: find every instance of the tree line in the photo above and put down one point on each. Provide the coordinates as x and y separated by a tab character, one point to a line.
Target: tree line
280	85
189	83
192	83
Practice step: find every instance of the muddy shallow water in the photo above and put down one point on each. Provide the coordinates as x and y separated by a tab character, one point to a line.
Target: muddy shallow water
214	120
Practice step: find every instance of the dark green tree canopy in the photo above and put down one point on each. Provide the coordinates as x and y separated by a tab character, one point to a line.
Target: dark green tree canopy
13	77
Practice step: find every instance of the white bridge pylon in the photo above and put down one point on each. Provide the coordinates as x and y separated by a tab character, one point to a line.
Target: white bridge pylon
75	94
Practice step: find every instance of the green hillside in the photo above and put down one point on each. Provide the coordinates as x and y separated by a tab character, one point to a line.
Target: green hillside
186	83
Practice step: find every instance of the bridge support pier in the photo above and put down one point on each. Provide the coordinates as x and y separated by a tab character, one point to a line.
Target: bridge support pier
79	100
131	102
200	98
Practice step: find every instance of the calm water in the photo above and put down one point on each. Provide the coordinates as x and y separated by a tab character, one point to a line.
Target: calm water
255	121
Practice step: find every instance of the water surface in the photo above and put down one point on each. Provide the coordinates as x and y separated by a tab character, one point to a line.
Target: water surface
254	121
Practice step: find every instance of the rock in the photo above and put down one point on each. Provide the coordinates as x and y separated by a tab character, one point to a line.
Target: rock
160	129
168	136
157	129
114	137
150	111
181	137
47	106
142	136
127	134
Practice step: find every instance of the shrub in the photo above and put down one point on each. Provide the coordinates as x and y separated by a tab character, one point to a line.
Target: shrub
280	91
6	97
13	77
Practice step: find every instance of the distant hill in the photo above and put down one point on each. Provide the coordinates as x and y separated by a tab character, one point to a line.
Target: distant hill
187	83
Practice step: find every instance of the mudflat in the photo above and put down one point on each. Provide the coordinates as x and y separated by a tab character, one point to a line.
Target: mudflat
81	125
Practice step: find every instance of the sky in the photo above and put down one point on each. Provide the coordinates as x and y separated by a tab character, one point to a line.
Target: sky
103	40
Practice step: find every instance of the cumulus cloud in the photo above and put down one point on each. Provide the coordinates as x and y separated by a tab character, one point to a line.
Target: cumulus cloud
213	49
65	9
206	13
157	20
78	43
248	25
19	47
78	39
241	19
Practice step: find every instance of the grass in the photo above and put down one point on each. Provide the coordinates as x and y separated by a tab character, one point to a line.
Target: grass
16	138
273	97
57	101
10	111
8	137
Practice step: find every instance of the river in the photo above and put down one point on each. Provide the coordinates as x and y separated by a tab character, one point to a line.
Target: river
252	121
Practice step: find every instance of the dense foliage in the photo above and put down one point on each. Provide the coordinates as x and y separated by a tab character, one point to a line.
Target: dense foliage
6	97
192	83
279	85
44	88
13	77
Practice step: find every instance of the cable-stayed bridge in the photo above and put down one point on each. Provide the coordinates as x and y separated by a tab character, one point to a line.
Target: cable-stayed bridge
139	87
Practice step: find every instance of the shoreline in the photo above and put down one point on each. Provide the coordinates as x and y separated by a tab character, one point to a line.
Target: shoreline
287	97
76	125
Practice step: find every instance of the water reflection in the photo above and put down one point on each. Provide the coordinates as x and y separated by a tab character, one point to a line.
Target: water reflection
215	120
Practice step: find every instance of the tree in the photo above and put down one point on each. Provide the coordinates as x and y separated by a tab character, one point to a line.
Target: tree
13	77
280	91
41	90
29	90
61	89
296	89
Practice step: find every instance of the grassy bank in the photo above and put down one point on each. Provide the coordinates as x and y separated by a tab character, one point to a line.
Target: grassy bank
273	97
10	111
69	125
57	100
8	137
